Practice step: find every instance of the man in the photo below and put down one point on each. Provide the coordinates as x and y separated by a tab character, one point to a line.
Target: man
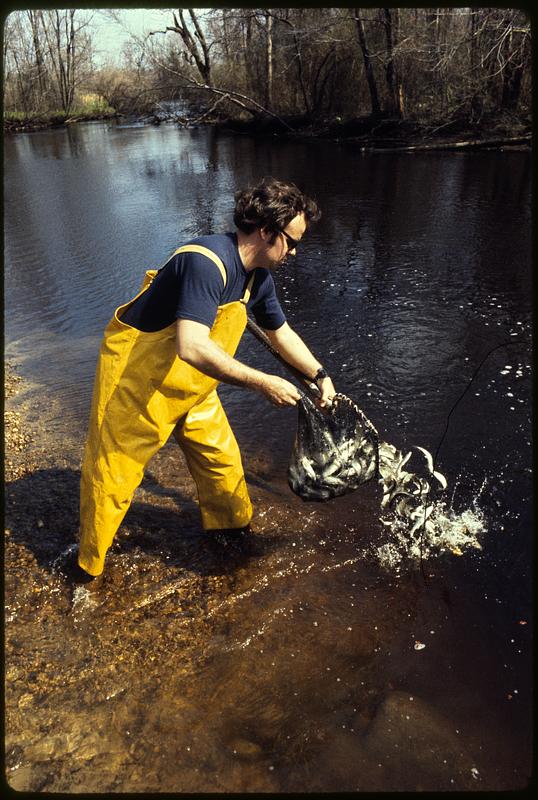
164	353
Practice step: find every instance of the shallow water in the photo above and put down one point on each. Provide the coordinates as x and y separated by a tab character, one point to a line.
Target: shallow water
292	669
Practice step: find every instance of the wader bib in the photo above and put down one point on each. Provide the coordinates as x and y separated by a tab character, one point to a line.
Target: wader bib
142	393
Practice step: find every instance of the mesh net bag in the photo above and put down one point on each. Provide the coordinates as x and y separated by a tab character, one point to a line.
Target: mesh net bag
334	452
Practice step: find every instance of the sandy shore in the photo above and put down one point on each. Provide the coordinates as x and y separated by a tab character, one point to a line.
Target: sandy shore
16	439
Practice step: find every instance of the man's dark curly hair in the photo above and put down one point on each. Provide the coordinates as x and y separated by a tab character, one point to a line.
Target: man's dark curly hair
272	204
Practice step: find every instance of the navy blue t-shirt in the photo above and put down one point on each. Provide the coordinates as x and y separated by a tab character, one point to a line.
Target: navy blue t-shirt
190	286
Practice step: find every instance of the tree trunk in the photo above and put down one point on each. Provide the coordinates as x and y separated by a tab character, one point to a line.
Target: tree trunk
511	87
205	66
390	72
512	75
70	58
299	59
300	74
53	36
198	50
397	73
269	60
39	60
370	77
249	72
23	86
476	101
226	38
489	63
318	88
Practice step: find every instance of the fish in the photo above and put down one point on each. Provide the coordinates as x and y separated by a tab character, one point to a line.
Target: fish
407	494
334	452
337	451
429	460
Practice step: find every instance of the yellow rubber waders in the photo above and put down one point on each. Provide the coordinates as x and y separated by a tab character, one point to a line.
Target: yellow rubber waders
142	393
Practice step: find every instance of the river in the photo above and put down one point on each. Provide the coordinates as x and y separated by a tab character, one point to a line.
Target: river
313	665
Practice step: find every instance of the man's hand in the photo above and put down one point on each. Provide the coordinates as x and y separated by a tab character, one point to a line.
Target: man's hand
328	391
290	345
279	391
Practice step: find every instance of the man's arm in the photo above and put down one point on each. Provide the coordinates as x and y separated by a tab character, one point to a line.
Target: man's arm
290	345
195	346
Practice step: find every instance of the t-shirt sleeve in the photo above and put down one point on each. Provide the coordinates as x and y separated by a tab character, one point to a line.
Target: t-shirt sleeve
265	306
200	287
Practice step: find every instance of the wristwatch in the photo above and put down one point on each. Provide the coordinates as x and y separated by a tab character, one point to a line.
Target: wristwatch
320	374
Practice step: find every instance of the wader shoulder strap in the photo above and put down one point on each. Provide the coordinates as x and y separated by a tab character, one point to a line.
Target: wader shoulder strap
246	296
204	251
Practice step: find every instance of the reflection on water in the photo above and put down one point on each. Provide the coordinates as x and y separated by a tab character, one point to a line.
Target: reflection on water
306	666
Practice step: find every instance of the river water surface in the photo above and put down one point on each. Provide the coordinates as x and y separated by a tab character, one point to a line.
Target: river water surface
311	665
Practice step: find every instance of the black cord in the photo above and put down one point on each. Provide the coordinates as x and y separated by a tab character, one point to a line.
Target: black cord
460	398
458	401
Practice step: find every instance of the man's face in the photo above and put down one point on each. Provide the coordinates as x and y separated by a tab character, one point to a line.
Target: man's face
275	254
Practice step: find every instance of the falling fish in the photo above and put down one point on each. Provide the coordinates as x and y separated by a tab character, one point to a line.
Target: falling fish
429	460
420	515
336	452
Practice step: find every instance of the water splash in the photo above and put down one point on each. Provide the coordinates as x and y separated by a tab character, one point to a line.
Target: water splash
420	526
83	601
444	531
59	563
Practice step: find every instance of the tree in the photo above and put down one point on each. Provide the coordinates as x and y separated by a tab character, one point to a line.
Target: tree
446	65
394	87
20	84
368	66
41	69
195	44
269	59
68	50
196	52
515	58
46	56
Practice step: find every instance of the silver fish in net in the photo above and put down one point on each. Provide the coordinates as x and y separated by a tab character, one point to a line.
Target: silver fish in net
334	452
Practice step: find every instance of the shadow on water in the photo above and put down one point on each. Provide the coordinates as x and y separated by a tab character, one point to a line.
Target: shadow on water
42	515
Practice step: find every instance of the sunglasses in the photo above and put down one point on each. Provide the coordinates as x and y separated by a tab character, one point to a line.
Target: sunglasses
292	243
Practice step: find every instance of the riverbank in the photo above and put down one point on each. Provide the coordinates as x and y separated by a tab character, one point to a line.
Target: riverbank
21	123
367	132
16	438
390	133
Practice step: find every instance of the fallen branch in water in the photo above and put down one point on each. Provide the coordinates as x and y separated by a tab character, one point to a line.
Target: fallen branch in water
470	143
209	111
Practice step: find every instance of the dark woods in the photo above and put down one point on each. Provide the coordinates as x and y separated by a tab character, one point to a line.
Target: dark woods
323	68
